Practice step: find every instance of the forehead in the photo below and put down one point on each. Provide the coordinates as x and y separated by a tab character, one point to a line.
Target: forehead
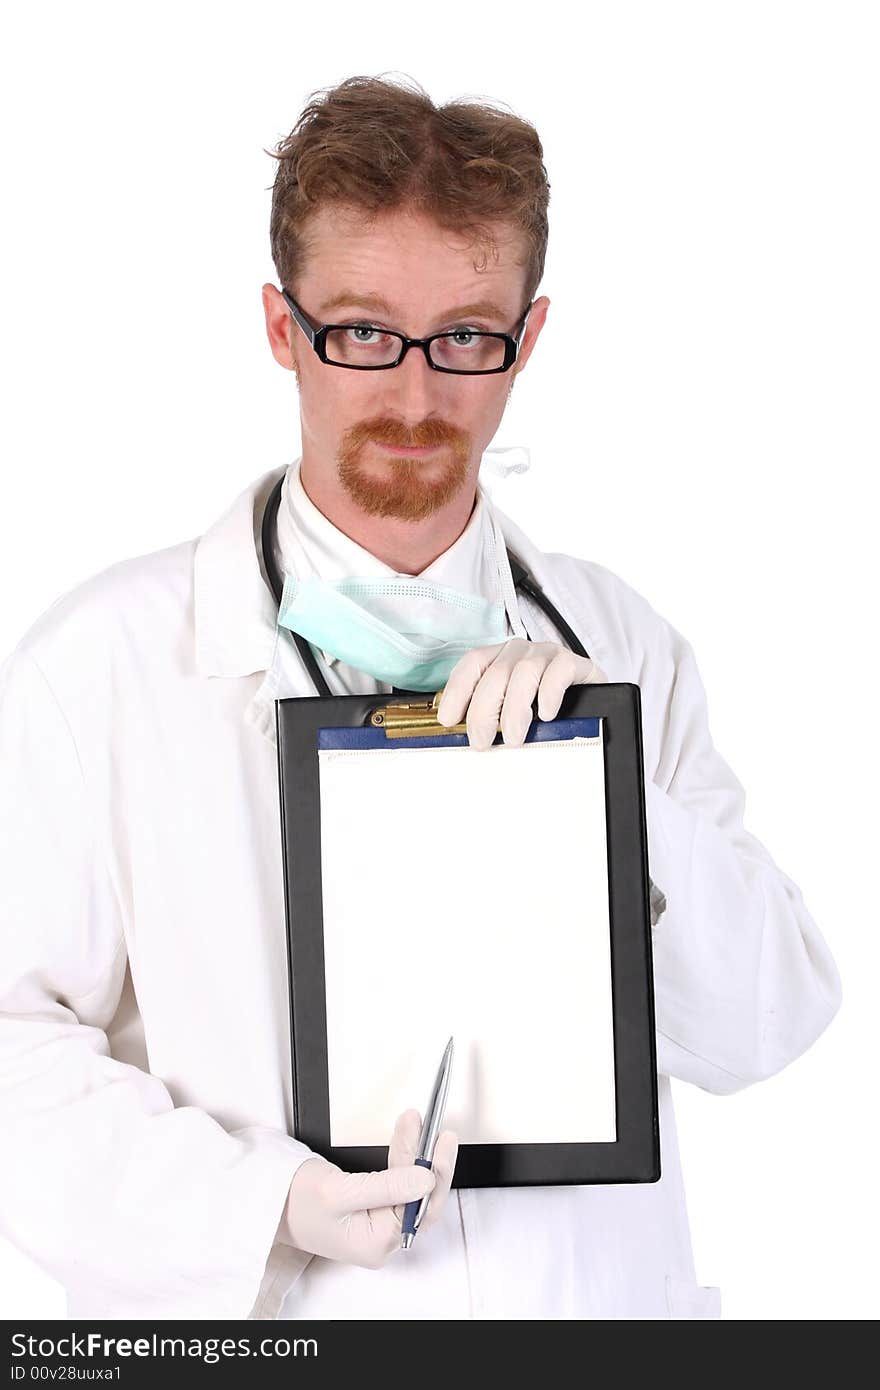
415	265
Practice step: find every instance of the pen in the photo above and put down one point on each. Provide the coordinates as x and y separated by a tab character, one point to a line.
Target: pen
414	1211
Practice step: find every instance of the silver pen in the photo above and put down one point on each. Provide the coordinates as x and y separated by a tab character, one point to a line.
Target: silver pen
414	1211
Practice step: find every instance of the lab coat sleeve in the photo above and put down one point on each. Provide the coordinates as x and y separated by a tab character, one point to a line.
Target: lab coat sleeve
145	1209
744	982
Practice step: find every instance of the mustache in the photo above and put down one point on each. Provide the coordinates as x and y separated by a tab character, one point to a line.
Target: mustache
428	434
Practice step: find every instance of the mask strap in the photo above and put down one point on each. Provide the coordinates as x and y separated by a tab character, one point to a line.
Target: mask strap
503	462
505	575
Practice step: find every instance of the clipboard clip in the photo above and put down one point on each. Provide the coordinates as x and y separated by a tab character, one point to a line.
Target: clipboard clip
414	719
418	719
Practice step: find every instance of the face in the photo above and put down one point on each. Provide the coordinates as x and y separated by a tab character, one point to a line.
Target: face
356	424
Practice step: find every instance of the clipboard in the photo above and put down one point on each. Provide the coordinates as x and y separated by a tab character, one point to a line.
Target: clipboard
335	753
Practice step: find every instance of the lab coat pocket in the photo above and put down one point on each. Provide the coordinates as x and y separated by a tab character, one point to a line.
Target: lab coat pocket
687	1300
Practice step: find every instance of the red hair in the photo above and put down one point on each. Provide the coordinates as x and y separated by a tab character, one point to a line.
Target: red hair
379	146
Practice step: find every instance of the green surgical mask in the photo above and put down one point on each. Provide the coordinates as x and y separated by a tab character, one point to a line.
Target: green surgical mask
407	631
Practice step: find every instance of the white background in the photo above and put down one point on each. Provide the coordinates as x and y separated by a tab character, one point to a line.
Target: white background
701	410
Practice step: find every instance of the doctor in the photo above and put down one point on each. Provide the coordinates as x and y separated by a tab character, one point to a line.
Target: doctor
147	1161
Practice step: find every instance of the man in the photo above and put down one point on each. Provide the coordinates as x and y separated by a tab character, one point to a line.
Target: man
147	1160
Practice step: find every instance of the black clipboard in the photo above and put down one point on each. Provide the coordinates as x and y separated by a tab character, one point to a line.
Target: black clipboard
635	1154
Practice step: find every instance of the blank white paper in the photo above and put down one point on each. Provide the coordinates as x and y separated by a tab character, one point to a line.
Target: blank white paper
465	893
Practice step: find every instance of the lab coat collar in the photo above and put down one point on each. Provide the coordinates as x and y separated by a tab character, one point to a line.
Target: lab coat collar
234	608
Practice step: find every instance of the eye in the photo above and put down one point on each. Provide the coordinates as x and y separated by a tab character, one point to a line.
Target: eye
366	335
463	337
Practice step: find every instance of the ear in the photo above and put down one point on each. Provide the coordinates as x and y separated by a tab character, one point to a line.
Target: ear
279	327
530	337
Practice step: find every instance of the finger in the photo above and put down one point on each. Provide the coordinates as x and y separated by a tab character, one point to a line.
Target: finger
404	1147
516	711
443	1168
405	1139
387	1188
460	686
484	710
565	670
445	1155
372	1237
595	676
555	681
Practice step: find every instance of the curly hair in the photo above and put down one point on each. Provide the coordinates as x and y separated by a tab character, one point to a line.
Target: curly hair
379	146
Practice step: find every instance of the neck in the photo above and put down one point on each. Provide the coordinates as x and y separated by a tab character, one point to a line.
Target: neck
407	547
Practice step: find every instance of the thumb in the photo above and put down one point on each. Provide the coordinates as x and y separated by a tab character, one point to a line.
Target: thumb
405	1139
386	1188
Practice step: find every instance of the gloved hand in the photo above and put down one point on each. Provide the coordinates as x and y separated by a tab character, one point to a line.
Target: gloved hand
357	1217
503	680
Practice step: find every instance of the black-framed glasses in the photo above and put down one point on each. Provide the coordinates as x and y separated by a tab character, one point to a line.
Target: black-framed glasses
461	351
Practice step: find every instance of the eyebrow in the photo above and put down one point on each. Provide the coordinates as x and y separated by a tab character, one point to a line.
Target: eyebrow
483	308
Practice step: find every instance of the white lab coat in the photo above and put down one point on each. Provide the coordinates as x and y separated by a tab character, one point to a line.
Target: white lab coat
144	1054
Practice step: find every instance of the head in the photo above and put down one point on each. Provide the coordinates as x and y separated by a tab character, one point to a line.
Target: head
392	212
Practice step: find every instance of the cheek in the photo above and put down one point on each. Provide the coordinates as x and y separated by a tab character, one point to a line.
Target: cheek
326	405
489	410
479	402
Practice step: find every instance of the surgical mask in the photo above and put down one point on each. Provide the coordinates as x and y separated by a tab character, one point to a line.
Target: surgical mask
406	630
401	629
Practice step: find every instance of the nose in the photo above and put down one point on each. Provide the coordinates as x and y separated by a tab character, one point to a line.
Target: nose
413	387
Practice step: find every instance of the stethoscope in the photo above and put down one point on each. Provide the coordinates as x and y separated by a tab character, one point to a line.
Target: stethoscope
521	579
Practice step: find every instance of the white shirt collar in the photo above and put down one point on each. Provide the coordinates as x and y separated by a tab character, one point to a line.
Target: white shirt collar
235	613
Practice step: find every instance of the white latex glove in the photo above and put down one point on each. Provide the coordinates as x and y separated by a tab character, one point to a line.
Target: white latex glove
357	1217
502	681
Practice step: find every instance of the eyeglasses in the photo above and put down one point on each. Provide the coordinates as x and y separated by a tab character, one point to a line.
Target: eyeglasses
364	348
